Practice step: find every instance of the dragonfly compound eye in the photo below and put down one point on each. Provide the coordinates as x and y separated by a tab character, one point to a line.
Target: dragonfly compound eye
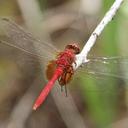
73	46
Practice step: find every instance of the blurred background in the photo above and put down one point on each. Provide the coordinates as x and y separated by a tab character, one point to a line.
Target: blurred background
94	101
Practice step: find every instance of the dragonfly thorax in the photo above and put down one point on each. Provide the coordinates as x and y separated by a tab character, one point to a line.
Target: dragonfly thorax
65	58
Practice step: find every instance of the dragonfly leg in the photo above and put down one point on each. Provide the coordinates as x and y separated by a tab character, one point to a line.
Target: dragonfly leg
61	88
66	92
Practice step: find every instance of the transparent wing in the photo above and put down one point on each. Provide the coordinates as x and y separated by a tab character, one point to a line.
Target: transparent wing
104	74
108	66
17	37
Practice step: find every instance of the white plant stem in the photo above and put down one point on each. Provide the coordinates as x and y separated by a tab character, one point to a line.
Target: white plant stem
82	57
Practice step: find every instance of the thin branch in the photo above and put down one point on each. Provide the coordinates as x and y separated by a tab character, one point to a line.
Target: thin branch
82	57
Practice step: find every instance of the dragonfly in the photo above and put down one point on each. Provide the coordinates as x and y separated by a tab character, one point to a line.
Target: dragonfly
59	67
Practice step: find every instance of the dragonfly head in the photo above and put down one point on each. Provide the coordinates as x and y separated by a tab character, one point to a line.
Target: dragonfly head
73	46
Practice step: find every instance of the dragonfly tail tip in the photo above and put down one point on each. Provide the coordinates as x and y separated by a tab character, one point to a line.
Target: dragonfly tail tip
35	107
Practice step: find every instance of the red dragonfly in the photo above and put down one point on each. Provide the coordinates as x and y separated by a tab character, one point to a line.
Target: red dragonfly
60	68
